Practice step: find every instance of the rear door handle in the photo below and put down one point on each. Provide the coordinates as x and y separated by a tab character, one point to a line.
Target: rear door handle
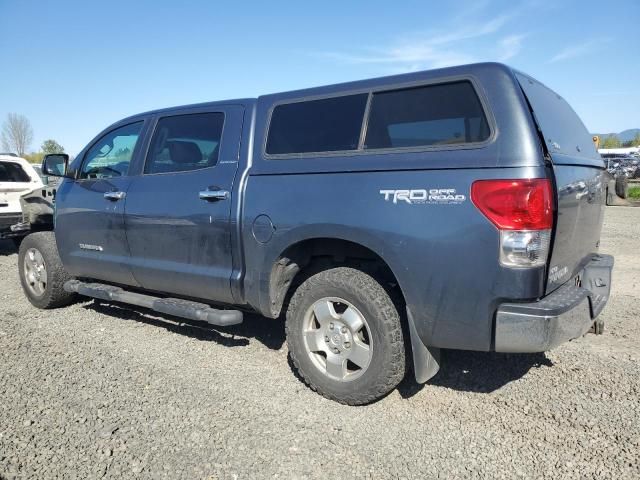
212	195
114	196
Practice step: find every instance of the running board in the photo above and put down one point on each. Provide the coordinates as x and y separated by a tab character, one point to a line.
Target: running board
169	306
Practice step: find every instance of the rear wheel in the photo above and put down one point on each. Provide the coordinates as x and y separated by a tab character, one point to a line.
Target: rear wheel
345	337
41	272
622	186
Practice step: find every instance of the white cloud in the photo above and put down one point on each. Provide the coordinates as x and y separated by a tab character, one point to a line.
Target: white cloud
469	31
579	50
411	54
440	48
510	46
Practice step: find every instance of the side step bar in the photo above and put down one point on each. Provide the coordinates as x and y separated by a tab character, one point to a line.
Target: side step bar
169	306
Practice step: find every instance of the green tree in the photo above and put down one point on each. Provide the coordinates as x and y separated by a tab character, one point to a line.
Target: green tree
612	141
636	140
51	146
34	157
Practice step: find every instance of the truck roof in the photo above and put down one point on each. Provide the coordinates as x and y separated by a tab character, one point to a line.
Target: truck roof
461	70
422	75
238	101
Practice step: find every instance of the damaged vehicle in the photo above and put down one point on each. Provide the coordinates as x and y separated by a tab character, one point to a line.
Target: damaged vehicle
384	219
17	178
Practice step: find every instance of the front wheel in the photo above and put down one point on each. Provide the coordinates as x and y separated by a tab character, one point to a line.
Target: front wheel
42	274
345	336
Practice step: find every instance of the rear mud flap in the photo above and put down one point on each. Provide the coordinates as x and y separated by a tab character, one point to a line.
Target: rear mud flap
426	360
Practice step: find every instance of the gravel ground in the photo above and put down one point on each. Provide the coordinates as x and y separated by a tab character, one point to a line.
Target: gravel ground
100	391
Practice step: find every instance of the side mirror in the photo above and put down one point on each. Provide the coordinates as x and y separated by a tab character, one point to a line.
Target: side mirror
55	164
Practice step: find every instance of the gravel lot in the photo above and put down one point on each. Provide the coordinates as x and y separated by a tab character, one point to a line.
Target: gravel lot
100	391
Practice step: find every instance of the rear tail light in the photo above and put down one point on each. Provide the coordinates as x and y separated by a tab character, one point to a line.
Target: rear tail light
522	212
524	248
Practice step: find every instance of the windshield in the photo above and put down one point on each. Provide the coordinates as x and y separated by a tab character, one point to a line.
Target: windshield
12	172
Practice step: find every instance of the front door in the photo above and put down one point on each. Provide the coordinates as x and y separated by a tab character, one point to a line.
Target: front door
178	210
90	209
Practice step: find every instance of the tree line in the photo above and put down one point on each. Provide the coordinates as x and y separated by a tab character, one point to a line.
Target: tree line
612	141
16	137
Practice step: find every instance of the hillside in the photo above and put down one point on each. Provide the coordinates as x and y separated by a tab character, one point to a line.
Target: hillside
623	136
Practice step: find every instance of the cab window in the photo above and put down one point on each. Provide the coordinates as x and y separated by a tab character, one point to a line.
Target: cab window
182	143
111	155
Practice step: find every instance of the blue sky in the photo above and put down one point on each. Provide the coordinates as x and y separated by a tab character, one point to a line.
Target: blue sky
74	67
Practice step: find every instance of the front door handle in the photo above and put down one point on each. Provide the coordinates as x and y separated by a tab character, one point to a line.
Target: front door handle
114	196
211	195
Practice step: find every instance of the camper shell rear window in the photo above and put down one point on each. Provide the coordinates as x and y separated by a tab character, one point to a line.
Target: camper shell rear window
562	129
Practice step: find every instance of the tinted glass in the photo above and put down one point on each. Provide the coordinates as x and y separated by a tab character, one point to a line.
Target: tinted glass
111	155
326	125
185	142
12	172
561	127
446	114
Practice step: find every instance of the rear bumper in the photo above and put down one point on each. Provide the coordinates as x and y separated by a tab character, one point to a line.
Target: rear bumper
563	315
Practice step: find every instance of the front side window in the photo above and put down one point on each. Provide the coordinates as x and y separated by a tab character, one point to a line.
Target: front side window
185	142
445	114
326	125
111	155
12	172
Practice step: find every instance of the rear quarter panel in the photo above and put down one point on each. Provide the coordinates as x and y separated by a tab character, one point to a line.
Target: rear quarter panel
444	255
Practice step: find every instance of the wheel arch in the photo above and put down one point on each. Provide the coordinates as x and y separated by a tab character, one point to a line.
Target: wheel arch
306	254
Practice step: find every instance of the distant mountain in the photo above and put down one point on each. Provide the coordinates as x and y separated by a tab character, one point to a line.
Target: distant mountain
623	136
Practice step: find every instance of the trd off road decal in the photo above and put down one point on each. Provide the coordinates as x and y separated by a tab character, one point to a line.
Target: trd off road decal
432	196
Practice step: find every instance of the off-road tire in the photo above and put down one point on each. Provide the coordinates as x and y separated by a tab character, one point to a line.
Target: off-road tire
622	186
388	363
54	295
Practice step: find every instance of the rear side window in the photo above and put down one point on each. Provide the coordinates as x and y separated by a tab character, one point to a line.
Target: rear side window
445	114
12	172
326	125
185	142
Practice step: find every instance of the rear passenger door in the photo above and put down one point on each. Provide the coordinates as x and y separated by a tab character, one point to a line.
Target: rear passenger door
178	211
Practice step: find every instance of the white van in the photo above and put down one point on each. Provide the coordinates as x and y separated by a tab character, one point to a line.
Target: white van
17	177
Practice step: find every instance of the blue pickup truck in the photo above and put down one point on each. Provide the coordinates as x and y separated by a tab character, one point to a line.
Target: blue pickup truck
386	219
